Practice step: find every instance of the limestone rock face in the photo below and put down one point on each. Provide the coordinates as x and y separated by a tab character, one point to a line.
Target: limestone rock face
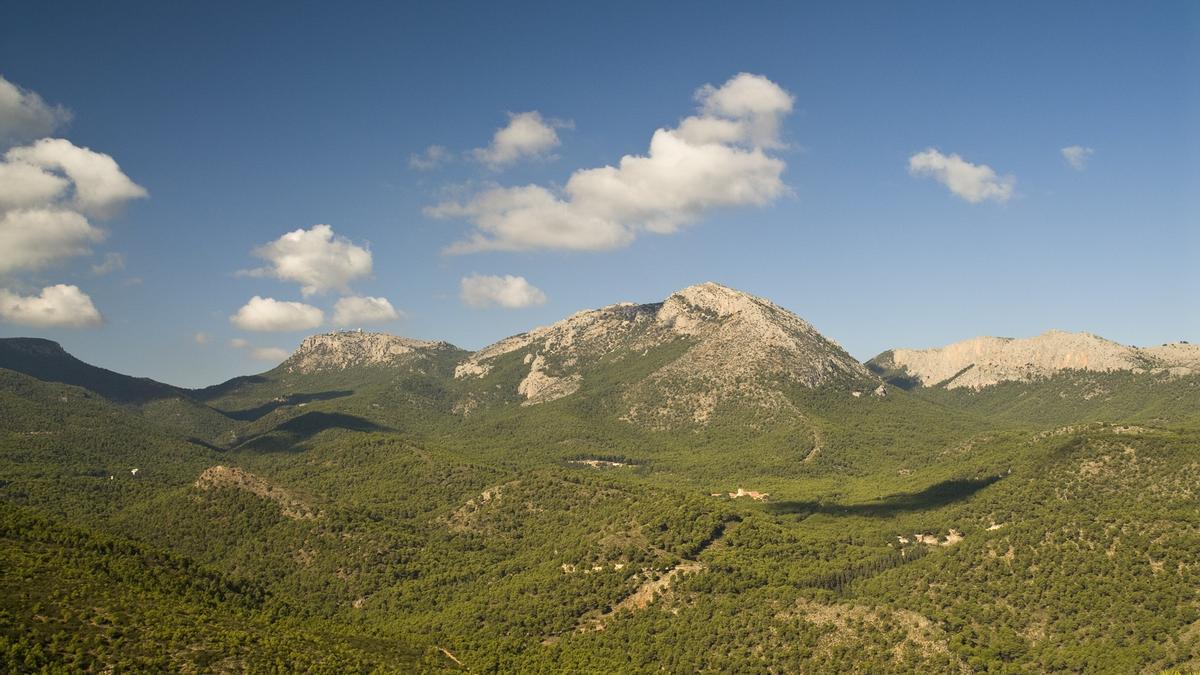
350	349
984	361
733	345
538	386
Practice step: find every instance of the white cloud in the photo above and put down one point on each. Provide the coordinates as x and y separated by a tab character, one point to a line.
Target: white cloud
972	182
33	238
1077	156
101	188
353	311
525	135
113	262
315	258
274	354
201	338
239	343
715	159
508	291
56	306
28	186
752	101
48	190
269	314
433	157
24	116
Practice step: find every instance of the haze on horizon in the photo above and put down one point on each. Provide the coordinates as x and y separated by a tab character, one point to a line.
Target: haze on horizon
186	193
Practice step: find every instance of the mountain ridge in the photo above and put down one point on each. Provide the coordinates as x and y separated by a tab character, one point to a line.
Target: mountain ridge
984	361
659	364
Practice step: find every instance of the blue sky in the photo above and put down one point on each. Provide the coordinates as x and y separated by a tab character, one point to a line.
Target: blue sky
245	123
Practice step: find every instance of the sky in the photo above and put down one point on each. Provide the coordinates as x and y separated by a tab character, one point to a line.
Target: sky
189	189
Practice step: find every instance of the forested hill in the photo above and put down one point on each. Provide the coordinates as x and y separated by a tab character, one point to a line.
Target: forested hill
613	493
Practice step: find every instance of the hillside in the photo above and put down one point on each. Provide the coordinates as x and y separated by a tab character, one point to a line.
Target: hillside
147	610
705	483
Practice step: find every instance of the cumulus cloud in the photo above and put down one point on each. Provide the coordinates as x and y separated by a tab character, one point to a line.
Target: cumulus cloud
59	306
972	182
752	103
25	185
239	343
269	314
201	338
48	191
511	292
101	188
525	135
433	157
33	238
315	258
353	311
717	158
24	116
1077	156
274	354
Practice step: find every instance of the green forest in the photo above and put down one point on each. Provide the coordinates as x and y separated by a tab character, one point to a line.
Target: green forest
357	522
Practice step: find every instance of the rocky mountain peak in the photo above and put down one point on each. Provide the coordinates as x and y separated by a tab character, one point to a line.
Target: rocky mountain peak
340	350
737	346
714	298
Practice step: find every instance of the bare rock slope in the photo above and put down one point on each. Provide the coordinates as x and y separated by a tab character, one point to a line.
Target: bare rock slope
984	361
732	345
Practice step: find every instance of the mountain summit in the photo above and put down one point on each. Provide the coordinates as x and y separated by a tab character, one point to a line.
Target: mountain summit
710	344
340	350
984	361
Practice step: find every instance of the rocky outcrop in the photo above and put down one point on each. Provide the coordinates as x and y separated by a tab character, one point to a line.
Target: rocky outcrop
233	478
984	361
539	386
351	349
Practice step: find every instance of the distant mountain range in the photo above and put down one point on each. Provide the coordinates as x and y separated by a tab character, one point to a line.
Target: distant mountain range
671	362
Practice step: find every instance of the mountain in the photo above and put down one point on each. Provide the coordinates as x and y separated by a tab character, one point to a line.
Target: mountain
708	345
341	380
985	361
700	484
171	407
48	361
344	350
